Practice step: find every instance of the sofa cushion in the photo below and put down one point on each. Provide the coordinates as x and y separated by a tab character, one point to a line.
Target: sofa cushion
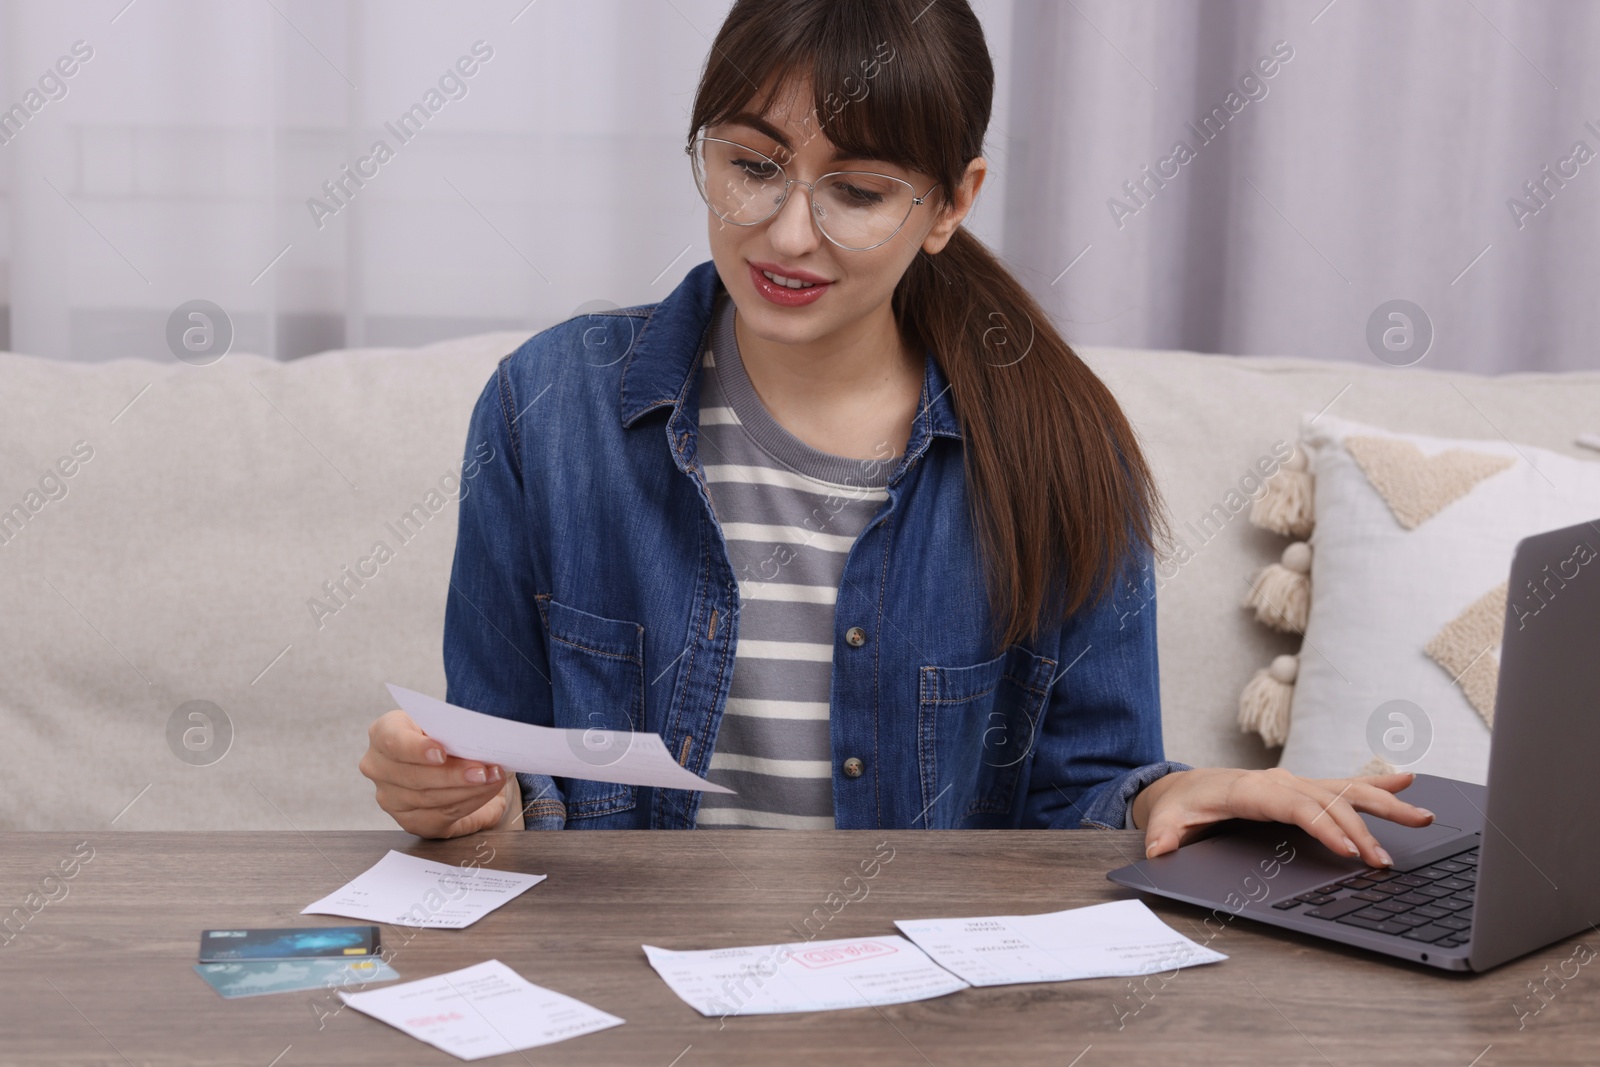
179	564
1206	420
177	567
1413	539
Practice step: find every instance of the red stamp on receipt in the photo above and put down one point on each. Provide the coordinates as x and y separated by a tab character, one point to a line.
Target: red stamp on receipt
833	955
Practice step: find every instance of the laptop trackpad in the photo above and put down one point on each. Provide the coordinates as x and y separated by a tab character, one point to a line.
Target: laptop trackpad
1401	840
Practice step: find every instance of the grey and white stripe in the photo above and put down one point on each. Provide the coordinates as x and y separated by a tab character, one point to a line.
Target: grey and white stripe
790	514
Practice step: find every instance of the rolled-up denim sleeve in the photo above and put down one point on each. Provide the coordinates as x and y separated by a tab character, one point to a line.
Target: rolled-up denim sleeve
1099	738
494	651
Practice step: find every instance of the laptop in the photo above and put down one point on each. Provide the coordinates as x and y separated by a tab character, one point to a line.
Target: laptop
1505	868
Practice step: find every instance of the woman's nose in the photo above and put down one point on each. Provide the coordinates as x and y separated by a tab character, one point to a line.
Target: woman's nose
793	230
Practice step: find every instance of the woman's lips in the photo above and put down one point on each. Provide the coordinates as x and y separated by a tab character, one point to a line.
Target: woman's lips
782	295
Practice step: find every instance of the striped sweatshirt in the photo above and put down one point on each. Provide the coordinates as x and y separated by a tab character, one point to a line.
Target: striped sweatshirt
789	514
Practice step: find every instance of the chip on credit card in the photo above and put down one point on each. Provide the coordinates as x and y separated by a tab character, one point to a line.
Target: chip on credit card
296	943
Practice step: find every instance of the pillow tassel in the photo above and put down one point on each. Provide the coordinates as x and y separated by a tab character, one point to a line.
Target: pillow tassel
1281	592
1286	505
1377	765
1264	703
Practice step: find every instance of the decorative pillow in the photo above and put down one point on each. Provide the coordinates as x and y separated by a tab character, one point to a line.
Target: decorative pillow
1411	543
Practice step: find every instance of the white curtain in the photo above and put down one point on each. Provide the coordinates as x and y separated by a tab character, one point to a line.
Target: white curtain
1374	165
180	163
203	150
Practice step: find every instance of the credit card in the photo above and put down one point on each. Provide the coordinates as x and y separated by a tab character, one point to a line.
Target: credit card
296	943
257	977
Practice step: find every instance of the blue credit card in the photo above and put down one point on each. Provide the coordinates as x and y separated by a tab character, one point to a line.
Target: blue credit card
257	977
298	943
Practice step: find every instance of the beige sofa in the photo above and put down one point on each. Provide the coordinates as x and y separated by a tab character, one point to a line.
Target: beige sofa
206	507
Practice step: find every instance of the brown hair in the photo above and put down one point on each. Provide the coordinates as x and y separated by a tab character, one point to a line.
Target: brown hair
1060	490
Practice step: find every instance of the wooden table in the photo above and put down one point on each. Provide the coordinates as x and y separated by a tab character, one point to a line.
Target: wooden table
103	974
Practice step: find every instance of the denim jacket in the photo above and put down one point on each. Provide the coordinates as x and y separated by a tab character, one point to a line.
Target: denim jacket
591	588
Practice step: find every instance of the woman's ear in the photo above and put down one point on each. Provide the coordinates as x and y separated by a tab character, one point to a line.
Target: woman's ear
961	203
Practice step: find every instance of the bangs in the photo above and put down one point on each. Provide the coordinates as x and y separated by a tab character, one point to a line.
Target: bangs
879	89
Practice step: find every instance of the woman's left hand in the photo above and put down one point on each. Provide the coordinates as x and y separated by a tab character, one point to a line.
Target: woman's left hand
1174	808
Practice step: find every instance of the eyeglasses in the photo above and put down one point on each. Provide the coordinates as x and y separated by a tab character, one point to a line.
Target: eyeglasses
855	209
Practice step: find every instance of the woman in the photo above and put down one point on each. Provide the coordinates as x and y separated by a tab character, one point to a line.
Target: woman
843	519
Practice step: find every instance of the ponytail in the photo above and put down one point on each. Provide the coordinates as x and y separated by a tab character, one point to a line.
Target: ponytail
1059	489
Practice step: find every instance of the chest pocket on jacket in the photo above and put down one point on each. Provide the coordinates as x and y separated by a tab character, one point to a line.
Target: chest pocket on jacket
597	682
975	732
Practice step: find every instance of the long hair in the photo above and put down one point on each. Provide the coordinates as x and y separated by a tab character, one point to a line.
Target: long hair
1059	489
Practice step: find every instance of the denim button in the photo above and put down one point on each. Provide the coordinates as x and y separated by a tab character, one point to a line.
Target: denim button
853	767
856	636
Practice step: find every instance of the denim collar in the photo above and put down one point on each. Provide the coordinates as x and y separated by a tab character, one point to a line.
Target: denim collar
668	347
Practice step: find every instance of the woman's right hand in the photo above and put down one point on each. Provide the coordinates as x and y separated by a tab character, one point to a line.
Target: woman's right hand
430	793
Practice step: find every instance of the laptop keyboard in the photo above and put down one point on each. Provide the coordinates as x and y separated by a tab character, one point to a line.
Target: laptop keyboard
1432	904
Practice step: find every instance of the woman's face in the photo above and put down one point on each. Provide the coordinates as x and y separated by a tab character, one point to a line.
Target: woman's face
854	284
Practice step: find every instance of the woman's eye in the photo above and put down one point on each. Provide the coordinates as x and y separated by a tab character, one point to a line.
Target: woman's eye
763	169
858	195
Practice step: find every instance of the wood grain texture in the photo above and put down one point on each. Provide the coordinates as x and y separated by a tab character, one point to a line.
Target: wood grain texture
103	974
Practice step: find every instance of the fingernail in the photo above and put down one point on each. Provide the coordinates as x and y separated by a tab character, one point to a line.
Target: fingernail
475	774
1350	847
435	755
1384	857
494	774
1426	812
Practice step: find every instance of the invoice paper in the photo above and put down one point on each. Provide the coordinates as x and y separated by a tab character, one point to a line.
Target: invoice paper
809	976
479	1011
411	891
1118	939
619	756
